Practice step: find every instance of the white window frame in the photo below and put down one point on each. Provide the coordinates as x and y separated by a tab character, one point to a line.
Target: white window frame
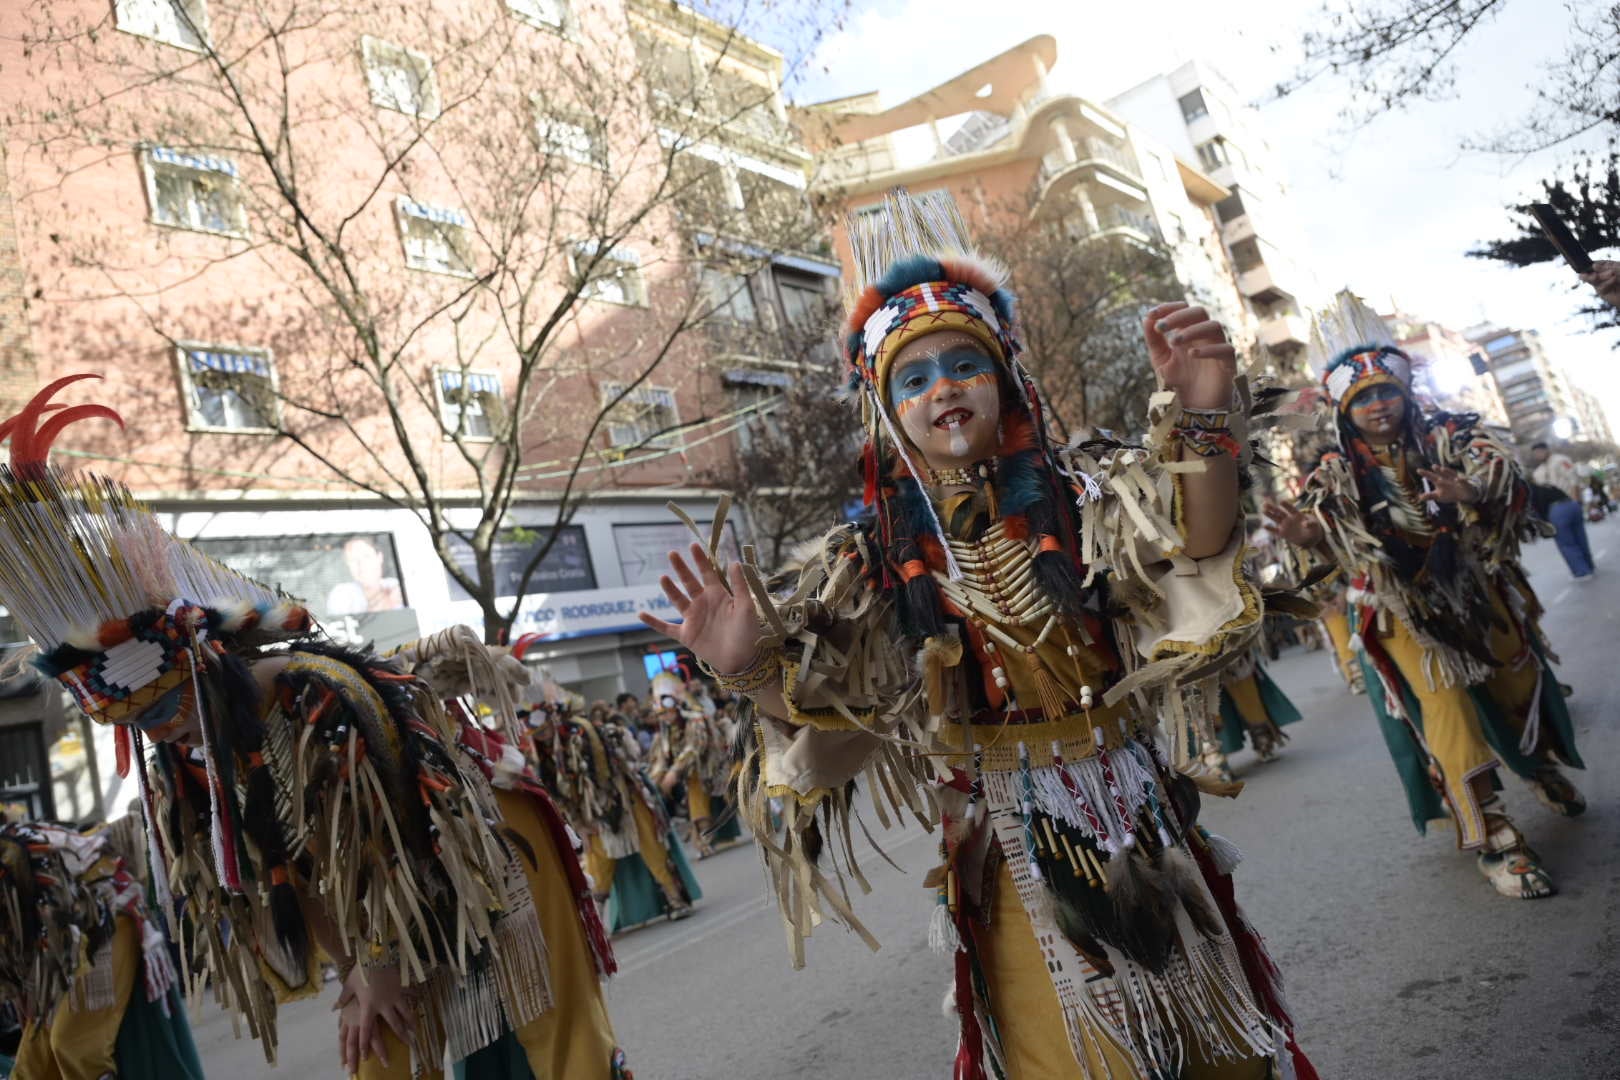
194	421
596	157
125	17
523	11
442	220
374	53
622	255
154	158
485	382
641	395
743	288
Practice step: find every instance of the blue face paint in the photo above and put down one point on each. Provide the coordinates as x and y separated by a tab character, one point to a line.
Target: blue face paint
911	385
1376	394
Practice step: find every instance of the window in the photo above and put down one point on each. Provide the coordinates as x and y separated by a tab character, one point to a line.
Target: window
436	239
174	22
1192	106
616	278
399	78
229	389
646	416
728	295
576	138
803	305
1230	208
469	402
193	191
1214	154
551	14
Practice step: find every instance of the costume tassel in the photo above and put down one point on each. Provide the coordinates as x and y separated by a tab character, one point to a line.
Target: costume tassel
969	1063
1225	854
942	933
121	739
869	465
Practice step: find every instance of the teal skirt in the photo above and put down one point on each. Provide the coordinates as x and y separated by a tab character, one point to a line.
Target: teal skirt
152	1046
636	898
1234	731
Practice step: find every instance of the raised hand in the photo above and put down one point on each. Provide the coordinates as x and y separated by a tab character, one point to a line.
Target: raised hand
1605	278
1191	355
1448	486
1295	526
718	624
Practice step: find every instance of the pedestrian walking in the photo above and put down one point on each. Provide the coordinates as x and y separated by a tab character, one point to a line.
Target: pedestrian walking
1559	499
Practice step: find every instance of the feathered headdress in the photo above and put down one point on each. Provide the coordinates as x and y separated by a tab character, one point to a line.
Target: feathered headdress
115	604
1352	348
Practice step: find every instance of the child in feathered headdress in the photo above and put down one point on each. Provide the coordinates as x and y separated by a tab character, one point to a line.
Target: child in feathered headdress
994	643
1423	513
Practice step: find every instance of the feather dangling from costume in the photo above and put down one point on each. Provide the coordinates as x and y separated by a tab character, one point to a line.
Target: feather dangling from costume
1145	905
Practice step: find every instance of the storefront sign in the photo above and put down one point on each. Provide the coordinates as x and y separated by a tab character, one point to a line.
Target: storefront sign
574	614
334	574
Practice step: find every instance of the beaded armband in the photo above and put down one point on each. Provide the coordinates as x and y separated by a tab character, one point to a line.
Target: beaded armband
1206	433
764	669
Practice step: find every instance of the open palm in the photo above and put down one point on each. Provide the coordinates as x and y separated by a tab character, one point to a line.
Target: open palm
1191	355
718	622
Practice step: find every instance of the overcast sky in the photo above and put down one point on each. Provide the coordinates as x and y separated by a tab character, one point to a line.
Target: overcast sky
1388	210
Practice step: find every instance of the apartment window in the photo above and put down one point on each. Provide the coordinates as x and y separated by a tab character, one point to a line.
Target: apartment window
576	138
1230	208
1214	154
229	389
754	396
646	416
468	402
399	78
1192	106
193	191
728	295
551	14
804	305
173	22
616	278
436	239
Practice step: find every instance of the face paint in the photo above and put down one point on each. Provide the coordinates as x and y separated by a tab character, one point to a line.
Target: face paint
1378	411
916	382
945	391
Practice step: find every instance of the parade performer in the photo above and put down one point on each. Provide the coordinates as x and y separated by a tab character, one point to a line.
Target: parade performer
82	959
689	758
1424	513
991	643
1253	707
572	1039
299	800
637	868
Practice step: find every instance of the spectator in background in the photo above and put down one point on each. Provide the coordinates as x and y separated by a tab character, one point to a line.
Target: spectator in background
1557	494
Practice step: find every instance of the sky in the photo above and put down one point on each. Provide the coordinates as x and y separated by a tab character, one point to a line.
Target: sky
1389	210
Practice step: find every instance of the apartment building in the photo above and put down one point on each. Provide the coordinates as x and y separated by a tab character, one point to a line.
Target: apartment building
1195	112
1542	403
1450	370
160	259
1005	141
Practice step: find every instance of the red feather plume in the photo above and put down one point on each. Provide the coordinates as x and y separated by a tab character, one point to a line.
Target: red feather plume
31	443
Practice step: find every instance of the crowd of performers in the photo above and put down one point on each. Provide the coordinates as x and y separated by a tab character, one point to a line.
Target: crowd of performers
1044	651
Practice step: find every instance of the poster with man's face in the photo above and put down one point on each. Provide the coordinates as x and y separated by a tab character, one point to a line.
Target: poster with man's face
335	575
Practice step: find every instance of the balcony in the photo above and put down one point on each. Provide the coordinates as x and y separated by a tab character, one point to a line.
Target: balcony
1237	230
1114	220
1105	164
1284	332
1258	286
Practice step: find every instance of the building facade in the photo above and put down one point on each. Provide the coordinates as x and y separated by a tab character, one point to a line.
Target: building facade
1200	117
1450	370
1021	147
161	260
1542	403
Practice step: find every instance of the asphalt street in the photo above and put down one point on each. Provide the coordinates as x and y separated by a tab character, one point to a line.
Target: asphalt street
1401	962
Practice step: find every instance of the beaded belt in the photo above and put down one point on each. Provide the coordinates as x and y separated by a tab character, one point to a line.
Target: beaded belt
997	734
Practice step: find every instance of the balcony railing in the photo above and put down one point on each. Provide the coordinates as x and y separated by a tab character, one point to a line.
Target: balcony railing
1111	217
1090	149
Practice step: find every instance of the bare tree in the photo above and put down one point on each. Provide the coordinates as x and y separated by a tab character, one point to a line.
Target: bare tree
1081	302
1393	53
445	199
